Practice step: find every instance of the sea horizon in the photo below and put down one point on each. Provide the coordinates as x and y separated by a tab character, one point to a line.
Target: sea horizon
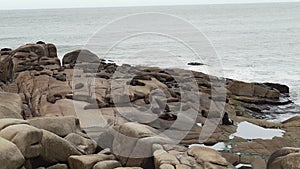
141	6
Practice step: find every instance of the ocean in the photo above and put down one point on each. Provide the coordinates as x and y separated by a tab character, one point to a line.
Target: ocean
252	42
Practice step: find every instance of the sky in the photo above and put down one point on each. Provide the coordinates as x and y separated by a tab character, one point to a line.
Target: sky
42	4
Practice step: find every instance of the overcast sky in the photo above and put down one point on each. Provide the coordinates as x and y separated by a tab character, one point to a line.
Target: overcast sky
37	4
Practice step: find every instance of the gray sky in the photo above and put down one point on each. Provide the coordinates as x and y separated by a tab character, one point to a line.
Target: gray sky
37	4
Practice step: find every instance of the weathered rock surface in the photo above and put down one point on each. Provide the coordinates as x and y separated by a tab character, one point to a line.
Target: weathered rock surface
59	166
56	149
253	90
129	168
80	56
109	164
25	137
87	161
111	101
10	105
173	156
6	122
133	144
85	145
61	126
203	154
10	155
285	158
6	67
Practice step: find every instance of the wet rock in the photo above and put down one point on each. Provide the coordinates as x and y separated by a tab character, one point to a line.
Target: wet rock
259	101
273	94
281	88
10	155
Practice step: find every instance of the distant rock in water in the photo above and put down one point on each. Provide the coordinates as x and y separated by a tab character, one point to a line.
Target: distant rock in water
5	49
40	43
195	64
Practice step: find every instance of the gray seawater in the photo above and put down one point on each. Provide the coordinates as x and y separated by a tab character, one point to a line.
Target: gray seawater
254	42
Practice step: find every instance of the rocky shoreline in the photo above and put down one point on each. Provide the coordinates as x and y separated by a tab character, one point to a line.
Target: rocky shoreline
85	113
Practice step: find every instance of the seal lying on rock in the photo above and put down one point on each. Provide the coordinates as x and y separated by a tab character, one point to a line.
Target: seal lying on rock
226	120
168	116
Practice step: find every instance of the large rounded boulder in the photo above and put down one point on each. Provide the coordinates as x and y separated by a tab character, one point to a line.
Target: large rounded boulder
285	158
10	155
56	149
25	137
80	56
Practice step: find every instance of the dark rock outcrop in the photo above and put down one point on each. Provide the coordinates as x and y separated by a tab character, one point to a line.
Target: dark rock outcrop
6	69
196	64
281	88
80	56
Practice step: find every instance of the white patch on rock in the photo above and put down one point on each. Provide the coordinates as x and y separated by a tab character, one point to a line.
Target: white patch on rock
221	146
250	131
243	165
